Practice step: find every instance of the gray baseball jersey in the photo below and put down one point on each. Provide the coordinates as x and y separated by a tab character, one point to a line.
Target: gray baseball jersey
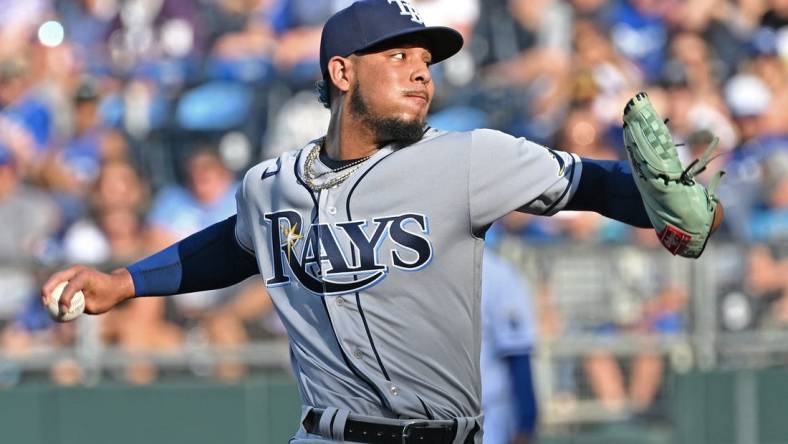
377	280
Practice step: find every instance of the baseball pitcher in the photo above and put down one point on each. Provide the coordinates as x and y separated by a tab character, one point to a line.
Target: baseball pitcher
370	239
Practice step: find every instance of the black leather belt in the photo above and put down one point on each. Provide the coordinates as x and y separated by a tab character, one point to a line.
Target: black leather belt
371	432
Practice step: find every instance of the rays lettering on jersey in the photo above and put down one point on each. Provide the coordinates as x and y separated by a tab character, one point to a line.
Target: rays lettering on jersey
317	261
405	8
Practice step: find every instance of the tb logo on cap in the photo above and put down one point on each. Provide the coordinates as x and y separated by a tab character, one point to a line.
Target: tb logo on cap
405	8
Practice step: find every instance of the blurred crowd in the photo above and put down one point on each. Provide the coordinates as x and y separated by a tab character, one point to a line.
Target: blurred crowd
126	124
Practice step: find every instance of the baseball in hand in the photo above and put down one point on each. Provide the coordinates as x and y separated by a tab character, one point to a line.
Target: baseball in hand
77	304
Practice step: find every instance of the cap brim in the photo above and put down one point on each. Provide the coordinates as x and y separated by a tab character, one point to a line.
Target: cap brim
441	41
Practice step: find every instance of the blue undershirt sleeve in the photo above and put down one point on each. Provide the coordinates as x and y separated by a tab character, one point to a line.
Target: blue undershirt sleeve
206	260
607	187
526	411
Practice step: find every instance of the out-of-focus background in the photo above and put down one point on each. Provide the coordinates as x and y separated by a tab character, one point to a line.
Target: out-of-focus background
125	125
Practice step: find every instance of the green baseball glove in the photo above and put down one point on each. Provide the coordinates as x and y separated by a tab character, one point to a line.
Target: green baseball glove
681	209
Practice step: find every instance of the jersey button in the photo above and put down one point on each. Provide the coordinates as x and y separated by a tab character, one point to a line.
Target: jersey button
340	301
332	210
394	390
357	353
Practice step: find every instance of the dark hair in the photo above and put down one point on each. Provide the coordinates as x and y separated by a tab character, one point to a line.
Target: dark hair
323	93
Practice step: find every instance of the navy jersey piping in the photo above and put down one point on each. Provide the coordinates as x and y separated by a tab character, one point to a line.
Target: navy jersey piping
566	190
266	174
352	367
427	411
353	258
571	175
349	364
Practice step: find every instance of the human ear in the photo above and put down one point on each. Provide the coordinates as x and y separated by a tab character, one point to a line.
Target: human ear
340	69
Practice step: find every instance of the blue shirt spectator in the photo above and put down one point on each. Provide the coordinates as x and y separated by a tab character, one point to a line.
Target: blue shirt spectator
209	198
640	34
178	211
25	117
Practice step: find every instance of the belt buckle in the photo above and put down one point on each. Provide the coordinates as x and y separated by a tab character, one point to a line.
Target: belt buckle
410	427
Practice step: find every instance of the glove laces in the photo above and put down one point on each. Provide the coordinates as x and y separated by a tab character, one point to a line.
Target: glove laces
699	165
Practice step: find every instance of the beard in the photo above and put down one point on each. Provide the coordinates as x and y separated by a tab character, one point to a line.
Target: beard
387	129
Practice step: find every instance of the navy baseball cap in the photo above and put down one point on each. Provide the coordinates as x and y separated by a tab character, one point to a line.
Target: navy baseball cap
368	23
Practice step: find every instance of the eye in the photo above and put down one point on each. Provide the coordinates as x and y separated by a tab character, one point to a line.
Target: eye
398	55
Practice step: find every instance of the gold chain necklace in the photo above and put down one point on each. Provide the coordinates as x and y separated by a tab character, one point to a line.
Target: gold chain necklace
309	174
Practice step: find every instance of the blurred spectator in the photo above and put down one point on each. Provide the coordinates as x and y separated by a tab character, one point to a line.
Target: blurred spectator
71	170
690	54
597	11
532	229
583	135
763	125
748	98
240	75
119	186
25	116
602	77
243	41
298	25
75	167
776	16
745	15
231	19
301	119
33	329
638	30
115	234
156	39
586	228
208	197
521	26
35	218
458	14
523	48
760	302
180	211
114	229
30	222
723	25
18	20
769	221
767	285
650	299
87	23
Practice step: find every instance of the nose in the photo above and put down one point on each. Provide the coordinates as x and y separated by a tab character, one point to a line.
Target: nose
421	73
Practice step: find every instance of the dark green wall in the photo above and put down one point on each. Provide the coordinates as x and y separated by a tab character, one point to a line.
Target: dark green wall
259	412
717	407
706	409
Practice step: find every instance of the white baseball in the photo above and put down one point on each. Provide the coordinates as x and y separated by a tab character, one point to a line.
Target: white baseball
77	304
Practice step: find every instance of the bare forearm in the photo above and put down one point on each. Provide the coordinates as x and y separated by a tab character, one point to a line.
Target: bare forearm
123	282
